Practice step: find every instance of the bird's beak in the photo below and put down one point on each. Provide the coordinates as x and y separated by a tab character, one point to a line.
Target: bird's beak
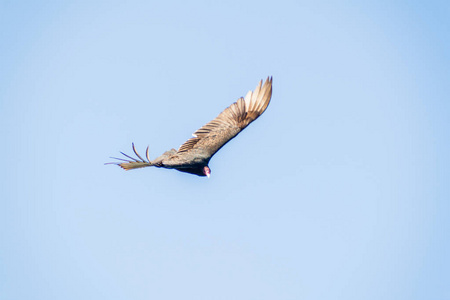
206	171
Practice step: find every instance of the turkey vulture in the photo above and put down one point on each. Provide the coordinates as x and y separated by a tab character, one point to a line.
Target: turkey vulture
194	155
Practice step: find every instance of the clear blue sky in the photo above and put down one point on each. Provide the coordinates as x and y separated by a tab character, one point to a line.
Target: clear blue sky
339	191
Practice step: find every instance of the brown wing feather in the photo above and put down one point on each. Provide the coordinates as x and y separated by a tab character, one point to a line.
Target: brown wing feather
212	136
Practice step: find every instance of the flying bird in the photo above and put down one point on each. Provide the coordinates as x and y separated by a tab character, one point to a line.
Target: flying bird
194	155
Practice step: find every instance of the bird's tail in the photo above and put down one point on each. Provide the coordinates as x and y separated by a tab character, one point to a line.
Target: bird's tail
132	163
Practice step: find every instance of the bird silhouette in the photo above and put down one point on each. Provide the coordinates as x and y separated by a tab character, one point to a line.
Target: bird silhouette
194	155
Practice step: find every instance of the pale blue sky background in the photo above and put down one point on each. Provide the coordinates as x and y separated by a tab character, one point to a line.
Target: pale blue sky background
339	191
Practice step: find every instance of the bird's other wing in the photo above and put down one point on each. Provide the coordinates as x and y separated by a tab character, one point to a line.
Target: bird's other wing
212	136
132	163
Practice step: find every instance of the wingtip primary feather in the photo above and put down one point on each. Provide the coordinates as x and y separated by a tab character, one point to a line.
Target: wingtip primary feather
137	154
146	154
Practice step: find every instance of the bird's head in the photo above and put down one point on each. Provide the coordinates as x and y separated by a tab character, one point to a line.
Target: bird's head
207	171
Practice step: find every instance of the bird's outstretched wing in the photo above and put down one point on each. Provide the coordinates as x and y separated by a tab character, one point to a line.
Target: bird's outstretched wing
212	136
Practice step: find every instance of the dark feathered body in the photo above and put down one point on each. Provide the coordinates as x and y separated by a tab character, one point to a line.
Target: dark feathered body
194	155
